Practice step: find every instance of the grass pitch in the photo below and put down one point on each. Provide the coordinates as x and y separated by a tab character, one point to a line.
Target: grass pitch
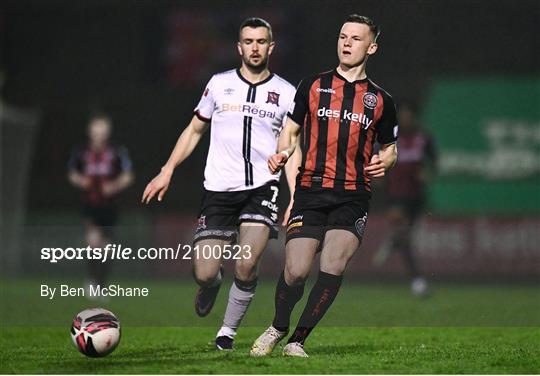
370	329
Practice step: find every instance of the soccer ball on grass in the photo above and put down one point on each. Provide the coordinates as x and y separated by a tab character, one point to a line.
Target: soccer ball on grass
95	332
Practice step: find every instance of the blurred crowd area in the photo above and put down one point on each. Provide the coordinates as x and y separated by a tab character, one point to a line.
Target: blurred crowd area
469	70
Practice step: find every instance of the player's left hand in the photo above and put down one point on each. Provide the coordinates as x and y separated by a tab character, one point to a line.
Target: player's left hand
376	167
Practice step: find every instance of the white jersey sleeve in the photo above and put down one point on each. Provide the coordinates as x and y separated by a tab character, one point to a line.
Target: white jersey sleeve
207	104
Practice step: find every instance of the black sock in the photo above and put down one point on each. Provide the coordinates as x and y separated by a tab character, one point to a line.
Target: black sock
321	297
98	271
285	299
405	249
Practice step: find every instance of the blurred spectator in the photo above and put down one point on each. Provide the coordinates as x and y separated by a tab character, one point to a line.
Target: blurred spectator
101	171
406	193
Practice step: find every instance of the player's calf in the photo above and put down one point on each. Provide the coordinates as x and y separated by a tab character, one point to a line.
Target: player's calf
207	294
240	295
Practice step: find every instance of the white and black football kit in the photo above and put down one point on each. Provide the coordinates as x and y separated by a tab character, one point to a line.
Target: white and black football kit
246	120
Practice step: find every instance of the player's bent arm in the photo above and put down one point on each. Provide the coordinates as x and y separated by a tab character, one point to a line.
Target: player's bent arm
187	141
288	139
291	171
286	146
383	161
77	179
388	154
124	180
292	165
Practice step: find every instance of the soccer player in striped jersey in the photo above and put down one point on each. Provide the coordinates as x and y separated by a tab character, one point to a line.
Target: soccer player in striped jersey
246	109
338	116
101	171
406	194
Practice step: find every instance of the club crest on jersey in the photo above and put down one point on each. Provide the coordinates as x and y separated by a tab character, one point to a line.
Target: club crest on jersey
273	98
370	100
229	91
201	224
360	225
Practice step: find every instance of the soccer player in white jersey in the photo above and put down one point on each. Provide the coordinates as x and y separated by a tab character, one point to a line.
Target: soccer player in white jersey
246	109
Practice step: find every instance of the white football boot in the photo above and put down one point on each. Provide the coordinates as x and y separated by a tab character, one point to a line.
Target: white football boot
295	349
264	345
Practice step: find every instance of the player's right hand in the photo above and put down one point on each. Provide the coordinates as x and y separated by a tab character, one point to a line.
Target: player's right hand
276	162
158	185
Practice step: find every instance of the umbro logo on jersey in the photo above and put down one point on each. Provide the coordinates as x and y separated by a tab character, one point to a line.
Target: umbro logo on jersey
329	90
347	115
228	91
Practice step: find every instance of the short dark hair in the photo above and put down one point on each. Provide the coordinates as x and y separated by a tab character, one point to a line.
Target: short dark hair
256	22
99	115
375	30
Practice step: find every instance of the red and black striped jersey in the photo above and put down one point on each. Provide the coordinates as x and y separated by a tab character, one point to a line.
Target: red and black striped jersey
341	121
416	150
99	166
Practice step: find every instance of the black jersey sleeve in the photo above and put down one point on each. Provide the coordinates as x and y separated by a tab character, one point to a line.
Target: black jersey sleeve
430	149
300	106
388	125
124	160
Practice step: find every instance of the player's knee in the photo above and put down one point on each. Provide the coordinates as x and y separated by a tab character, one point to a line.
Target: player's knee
94	237
295	274
246	269
335	267
204	277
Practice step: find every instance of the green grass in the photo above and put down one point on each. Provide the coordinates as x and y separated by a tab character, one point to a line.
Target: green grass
332	350
371	328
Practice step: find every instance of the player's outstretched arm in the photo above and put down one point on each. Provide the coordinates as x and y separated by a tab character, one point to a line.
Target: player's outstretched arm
286	146
187	141
382	162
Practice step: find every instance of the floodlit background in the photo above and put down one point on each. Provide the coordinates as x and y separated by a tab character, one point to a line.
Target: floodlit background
472	67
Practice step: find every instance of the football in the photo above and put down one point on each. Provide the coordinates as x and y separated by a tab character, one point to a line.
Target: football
95	332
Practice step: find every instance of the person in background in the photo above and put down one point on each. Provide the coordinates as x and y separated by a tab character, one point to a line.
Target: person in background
406	193
101	171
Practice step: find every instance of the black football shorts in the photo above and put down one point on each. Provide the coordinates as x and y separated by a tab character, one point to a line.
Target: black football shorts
222	212
412	207
104	217
317	210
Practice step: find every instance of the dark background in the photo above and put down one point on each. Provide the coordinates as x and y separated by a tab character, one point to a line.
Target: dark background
67	58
